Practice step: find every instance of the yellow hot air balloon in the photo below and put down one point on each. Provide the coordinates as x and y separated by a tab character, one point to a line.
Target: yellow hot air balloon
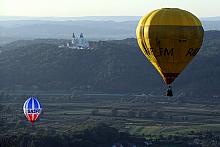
170	38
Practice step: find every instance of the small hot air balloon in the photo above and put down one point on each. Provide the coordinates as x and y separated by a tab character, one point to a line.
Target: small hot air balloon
169	38
32	109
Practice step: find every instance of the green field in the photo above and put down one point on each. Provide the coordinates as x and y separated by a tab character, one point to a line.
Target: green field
167	117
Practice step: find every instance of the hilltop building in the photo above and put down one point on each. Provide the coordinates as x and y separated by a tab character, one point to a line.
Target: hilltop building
77	43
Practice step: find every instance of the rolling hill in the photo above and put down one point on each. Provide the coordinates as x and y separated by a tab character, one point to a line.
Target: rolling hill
115	66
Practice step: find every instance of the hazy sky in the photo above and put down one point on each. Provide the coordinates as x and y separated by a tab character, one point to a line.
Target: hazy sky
72	8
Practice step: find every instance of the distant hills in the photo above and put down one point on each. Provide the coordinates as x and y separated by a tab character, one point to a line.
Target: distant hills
111	67
216	18
90	18
94	28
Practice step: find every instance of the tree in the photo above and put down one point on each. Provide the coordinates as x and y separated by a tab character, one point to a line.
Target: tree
114	112
95	111
131	113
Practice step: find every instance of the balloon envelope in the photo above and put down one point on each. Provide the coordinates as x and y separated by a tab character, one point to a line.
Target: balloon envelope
169	38
32	109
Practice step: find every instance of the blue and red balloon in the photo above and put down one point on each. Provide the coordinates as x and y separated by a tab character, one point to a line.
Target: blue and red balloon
32	109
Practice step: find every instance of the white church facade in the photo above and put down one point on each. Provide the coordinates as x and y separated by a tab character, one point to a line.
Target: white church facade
77	43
